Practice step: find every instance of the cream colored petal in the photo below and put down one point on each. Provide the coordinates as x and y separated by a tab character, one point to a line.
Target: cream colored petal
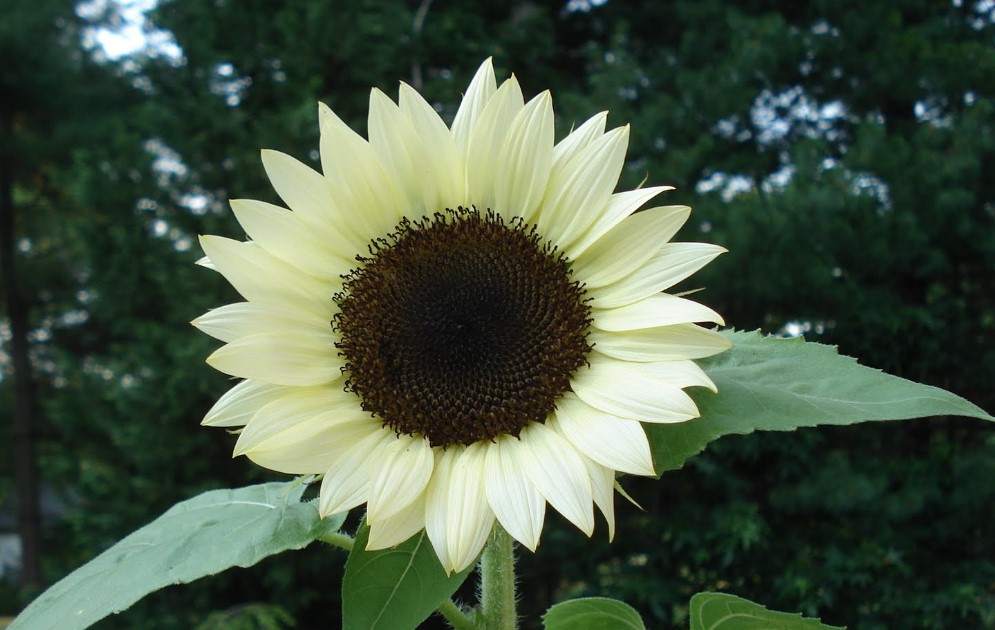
241	319
486	141
522	165
673	263
446	162
603	489
313	445
664	343
559	474
237	406
402	474
287	357
360	186
628	245
579	139
619	206
618	443
398	528
206	263
302	188
578	193
654	311
516	502
677	373
404	156
482	88
437	503
280	232
626	390
259	276
458	518
300	410
346	483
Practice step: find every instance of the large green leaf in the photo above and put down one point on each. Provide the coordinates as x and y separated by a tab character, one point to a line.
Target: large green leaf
195	538
592	613
774	384
395	588
721	611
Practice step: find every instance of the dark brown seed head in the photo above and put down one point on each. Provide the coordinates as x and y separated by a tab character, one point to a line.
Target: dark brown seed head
461	327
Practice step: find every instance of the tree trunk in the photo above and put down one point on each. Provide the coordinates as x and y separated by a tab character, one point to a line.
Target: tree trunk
22	429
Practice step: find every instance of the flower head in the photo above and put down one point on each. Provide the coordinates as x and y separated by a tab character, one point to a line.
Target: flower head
458	324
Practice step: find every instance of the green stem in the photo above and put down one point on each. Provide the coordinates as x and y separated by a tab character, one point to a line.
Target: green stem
456	618
497	582
342	541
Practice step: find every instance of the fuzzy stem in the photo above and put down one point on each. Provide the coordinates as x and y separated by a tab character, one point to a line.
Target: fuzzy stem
497	582
342	541
456	617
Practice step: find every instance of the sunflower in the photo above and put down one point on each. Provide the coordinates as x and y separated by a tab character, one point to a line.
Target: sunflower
458	324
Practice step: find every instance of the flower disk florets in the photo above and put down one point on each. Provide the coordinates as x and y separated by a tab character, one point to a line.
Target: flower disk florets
461	327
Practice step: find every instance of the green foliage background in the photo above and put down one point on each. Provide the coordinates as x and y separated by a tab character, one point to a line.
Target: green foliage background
842	151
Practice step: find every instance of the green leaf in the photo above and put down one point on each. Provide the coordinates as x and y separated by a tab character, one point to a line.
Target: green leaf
592	613
394	588
774	384
721	611
195	538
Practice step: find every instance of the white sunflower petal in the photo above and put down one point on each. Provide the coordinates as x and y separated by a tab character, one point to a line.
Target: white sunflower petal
458	518
302	188
437	503
628	245
522	165
612	441
346	482
313	445
516	502
619	206
623	389
663	343
295	411
673	263
359	184
281	233
259	276
559	474
287	357
447	163
685	373
592	129
237	406
403	472
486	140
241	319
654	311
405	158
578	193
396	529
482	88
603	489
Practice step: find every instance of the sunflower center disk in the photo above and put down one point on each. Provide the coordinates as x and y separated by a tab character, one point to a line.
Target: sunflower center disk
461	327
